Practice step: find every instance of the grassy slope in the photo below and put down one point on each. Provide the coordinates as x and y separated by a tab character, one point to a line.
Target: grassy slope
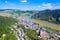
48	24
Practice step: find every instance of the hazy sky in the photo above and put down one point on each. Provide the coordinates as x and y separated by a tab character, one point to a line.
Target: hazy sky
30	4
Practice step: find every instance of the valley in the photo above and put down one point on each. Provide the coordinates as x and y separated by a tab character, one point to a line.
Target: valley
23	26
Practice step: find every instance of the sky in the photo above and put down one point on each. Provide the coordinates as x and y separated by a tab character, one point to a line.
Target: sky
30	4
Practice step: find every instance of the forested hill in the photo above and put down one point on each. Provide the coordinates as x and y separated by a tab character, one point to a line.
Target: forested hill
48	15
5	23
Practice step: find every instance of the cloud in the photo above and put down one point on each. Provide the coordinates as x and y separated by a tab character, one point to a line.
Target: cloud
48	6
24	1
6	1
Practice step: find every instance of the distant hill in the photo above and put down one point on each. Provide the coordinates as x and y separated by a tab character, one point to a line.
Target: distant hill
48	15
15	11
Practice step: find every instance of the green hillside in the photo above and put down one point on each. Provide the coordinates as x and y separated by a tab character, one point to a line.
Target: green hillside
48	15
5	32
